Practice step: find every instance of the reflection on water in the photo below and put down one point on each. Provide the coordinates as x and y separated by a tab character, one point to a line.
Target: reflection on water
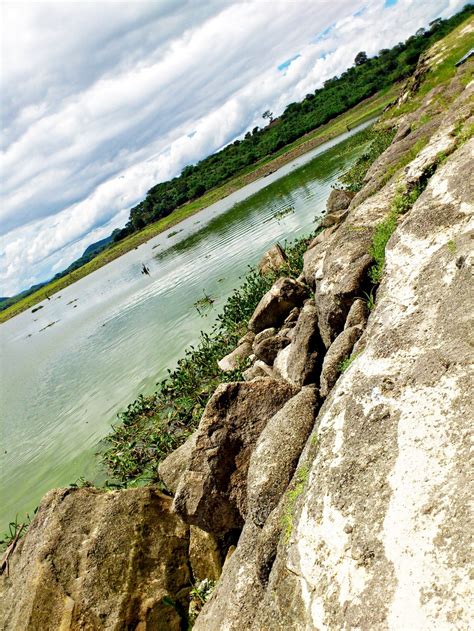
117	331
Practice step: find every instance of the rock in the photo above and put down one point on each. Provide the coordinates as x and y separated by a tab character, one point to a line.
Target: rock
339	350
98	560
212	493
235	359
333	219
276	454
276	304
382	528
313	258
338	200
268	348
248	337
280	365
263	335
342	276
358	314
292	316
272	260
259	369
173	466
306	351
204	555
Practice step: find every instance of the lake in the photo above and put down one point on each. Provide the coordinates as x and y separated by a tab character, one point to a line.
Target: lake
68	368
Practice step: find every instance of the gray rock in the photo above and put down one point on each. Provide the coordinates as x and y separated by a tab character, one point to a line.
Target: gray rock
339	200
204	555
263	335
272	260
276	454
212	492
98	560
358	314
381	533
339	350
276	304
306	350
268	348
280	365
235	359
173	466
259	369
292	316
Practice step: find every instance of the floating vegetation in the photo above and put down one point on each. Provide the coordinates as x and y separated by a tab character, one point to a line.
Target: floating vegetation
48	325
71	302
282	213
204	304
174	233
37	308
155	246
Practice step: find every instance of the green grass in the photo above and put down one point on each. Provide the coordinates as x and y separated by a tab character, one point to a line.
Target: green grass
344	365
299	485
363	111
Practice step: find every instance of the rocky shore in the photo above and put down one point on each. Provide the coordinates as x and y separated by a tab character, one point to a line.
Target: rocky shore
330	488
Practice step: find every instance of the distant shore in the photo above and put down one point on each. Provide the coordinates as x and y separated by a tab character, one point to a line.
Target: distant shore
357	115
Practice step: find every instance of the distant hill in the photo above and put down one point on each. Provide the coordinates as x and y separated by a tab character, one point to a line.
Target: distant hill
89	253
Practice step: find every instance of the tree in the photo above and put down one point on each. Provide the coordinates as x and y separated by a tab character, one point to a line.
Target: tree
361	58
268	114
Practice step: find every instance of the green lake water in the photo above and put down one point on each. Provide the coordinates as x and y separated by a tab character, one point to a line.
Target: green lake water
69	368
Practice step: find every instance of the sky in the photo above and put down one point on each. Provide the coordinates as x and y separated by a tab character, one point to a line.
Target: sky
102	100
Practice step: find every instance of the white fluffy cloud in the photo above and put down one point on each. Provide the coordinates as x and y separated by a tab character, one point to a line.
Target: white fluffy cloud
102	100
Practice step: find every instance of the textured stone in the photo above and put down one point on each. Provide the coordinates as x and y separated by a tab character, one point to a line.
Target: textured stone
98	560
277	303
306	351
276	454
212	493
204	555
234	359
173	466
358	314
339	350
381	531
268	348
272	260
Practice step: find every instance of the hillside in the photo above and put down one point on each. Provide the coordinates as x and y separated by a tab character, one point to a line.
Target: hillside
309	459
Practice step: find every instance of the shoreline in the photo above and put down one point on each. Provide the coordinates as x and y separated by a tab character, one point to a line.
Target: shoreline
351	118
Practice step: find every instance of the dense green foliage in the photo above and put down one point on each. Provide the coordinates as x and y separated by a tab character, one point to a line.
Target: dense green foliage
365	78
155	425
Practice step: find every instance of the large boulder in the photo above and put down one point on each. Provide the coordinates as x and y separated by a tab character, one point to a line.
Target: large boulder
382	529
337	205
277	303
212	493
175	464
358	314
272	260
306	351
233	360
98	560
268	348
276	454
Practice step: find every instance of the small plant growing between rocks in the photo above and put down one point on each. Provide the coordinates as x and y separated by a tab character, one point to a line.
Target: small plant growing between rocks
344	365
301	477
451	245
199	595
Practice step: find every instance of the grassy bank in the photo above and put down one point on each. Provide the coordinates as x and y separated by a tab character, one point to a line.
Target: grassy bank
361	113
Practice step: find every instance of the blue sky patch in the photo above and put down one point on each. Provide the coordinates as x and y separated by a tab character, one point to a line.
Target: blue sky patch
287	63
361	11
390	3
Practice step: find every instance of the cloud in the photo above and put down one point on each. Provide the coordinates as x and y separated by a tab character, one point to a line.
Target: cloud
103	100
